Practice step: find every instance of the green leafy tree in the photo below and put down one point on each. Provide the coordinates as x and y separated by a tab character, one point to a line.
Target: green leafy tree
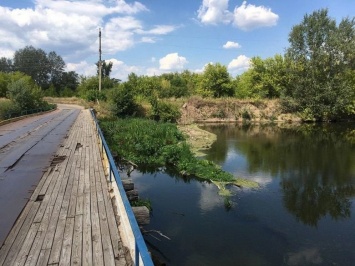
216	81
56	69
33	62
25	94
106	69
7	78
265	78
5	65
122	101
322	56
70	80
173	85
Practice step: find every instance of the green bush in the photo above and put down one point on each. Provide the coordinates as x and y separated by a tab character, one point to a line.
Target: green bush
25	95
164	111
7	107
94	95
122	101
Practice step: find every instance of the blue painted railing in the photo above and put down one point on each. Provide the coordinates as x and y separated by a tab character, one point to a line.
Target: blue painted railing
141	251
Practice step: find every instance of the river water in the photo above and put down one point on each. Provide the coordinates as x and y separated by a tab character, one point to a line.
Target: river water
303	214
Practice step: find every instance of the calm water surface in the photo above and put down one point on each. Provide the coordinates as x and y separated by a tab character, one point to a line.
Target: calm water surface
302	215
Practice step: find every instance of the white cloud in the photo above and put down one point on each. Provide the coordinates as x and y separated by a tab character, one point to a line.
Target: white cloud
120	70
231	45
70	27
172	62
214	12
148	40
158	30
83	67
153	71
245	17
240	64
90	8
248	17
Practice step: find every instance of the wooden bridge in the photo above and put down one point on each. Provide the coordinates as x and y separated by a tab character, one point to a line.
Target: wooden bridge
70	219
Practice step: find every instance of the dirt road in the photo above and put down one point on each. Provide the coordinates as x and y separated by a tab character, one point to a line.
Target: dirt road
27	148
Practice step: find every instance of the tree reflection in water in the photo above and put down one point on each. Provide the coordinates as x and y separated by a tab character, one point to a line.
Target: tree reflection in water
315	163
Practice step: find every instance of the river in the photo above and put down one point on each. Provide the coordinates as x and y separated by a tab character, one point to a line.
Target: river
303	213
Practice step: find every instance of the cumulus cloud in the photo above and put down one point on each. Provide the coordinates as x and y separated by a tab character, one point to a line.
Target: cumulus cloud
231	45
245	17
83	67
214	12
240	64
70	27
172	62
121	70
90	8
248	17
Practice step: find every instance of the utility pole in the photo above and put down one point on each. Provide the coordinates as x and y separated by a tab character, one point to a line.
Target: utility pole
100	60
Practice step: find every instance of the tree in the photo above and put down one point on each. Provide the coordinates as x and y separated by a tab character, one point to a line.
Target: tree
322	65
5	65
105	69
70	80
216	81
25	94
7	78
56	69
122	101
33	62
264	79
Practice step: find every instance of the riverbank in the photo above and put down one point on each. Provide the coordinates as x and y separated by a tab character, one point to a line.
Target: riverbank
205	110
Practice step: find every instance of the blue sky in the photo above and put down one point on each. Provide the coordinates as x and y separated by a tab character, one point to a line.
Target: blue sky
150	37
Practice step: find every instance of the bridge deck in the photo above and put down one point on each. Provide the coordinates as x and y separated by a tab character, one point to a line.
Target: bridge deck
69	220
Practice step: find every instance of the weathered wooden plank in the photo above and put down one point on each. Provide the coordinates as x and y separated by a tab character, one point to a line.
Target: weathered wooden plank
13	233
35	249
57	242
74	194
87	242
19	238
74	222
26	245
67	242
77	241
109	257
47	197
43	257
64	194
34	254
97	252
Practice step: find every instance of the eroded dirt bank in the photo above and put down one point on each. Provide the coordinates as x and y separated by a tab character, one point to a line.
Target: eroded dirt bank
199	110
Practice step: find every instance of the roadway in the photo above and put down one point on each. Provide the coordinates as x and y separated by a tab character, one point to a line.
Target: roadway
27	148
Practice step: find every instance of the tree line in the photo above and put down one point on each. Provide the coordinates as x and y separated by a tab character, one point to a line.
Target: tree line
315	76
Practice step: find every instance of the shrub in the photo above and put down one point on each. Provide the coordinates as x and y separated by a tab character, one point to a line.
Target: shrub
25	95
123	103
163	111
94	95
7	107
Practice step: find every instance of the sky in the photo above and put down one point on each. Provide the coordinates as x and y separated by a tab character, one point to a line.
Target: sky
151	37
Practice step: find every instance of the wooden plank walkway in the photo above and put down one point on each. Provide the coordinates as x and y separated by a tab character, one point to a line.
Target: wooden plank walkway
69	220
